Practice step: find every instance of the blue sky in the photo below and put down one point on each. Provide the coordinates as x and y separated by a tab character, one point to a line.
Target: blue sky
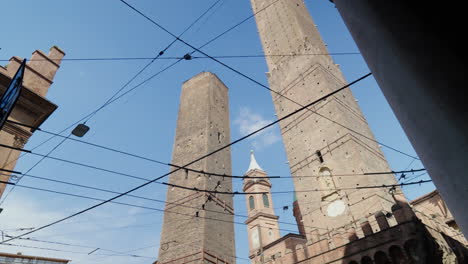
143	122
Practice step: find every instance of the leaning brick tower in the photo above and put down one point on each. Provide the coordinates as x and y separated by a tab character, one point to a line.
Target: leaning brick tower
315	141
198	226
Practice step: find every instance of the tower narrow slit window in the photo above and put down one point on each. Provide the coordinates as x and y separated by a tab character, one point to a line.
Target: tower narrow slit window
266	202
319	155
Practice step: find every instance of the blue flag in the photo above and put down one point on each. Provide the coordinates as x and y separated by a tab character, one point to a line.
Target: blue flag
11	95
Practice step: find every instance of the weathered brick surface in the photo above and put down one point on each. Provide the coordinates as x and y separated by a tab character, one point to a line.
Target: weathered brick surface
286	28
31	108
202	127
326	145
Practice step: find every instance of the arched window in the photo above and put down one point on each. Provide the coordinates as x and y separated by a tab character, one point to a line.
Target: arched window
414	250
366	260
397	256
381	258
266	202
251	202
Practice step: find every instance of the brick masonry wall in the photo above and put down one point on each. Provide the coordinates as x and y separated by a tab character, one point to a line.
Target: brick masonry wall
202	127
286	28
31	108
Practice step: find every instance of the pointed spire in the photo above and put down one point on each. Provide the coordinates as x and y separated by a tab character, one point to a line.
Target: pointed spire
253	163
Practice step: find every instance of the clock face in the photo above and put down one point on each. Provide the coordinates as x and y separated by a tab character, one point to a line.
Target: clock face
255	239
336	208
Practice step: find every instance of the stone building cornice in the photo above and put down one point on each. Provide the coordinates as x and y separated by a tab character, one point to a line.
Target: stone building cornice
283	238
249	183
260	214
424	197
16	130
38	106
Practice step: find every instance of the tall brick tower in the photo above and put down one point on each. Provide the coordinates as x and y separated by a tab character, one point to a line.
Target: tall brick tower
32	108
314	144
198	226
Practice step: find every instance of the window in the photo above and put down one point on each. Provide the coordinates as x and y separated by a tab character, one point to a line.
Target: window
251	203
266	202
319	154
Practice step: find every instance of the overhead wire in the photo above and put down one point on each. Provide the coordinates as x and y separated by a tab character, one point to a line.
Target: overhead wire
250	78
161	71
195	49
290	223
179	204
264	86
68	251
144	198
195	189
127	174
207	18
42	248
218	36
235	25
125	252
102	230
274	55
103	59
415	177
113	97
192	162
31	239
198	171
127	204
195	57
188	169
354	188
72	125
133	196
236	223
155	58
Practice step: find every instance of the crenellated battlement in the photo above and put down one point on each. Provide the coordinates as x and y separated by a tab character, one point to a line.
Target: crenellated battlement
40	69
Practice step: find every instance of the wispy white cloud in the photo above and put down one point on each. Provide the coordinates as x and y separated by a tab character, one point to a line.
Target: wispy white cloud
102	228
249	121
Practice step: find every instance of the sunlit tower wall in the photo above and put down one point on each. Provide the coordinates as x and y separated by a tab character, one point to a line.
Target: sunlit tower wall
314	144
32	108
198	226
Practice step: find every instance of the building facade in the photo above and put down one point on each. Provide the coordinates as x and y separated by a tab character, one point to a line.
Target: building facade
24	259
31	109
434	213
418	235
330	149
198	226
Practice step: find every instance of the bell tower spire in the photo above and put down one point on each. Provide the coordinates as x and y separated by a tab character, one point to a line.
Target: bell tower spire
262	224
253	163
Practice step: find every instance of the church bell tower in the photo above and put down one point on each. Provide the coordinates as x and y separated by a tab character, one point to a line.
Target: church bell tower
262	224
